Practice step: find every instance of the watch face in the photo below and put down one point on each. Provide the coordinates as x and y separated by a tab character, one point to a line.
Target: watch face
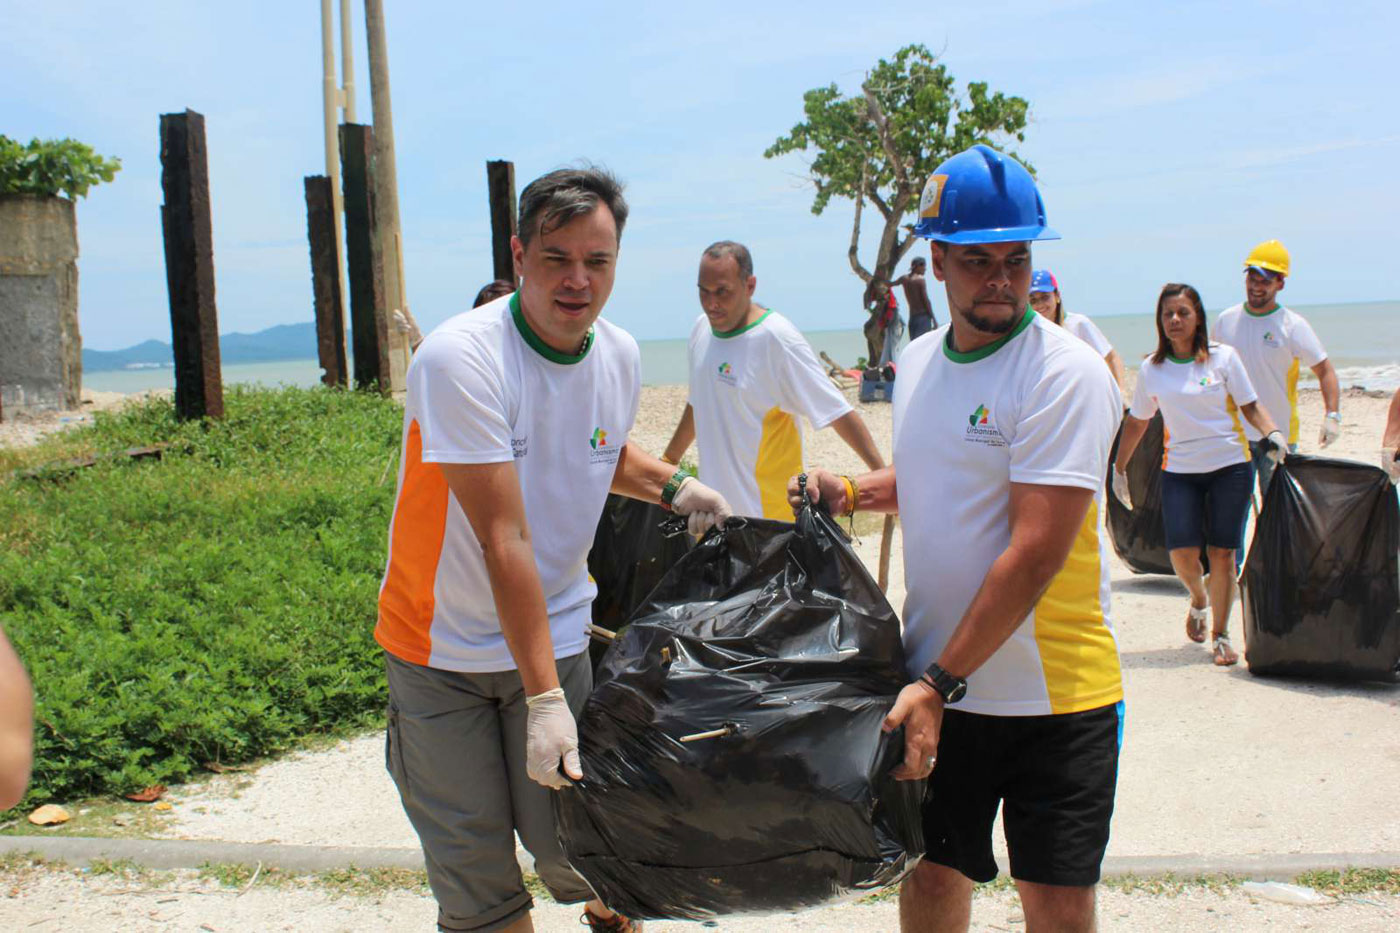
957	693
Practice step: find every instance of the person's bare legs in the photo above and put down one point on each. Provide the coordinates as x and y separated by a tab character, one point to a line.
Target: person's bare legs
1186	561
1055	908
523	925
1222	596
935	899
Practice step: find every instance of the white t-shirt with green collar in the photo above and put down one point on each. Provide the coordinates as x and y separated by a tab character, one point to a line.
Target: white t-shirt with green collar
1038	407
1272	345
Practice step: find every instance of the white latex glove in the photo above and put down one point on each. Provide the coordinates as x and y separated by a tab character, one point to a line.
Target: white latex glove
1120	488
1278	448
550	737
704	507
1331	428
1390	463
405	324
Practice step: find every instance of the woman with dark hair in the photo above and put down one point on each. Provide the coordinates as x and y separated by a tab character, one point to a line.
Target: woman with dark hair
1201	388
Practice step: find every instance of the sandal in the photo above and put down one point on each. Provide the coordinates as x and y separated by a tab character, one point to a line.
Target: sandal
614	924
1220	649
1196	623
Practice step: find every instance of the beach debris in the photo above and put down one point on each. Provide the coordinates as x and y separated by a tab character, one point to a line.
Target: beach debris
148	795
1283	893
163	805
63	469
50	814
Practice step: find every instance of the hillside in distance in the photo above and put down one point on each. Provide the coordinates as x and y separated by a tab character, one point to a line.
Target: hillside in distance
281	342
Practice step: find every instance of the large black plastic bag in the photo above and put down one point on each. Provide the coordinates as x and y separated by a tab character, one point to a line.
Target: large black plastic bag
776	632
1320	590
1137	534
631	553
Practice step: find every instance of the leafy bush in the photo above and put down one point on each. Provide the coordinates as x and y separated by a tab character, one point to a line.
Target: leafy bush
52	166
212	606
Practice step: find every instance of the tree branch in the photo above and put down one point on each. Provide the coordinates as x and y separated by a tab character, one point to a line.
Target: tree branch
882	129
853	254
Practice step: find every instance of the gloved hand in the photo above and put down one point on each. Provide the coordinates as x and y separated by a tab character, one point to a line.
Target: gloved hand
405	324
1331	428
1390	463
551	737
704	507
1276	447
1120	488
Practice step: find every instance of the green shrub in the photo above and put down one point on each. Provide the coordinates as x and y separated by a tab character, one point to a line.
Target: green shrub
212	606
52	166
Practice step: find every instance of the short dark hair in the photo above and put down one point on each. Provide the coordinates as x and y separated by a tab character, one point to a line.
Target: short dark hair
1200	343
551	201
493	290
918	261
739	251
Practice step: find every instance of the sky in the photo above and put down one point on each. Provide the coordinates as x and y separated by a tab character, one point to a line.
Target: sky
1167	139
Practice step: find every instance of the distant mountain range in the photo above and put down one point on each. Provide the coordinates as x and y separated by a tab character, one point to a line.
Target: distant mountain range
282	342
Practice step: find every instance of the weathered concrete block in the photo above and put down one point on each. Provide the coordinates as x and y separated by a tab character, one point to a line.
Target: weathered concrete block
41	348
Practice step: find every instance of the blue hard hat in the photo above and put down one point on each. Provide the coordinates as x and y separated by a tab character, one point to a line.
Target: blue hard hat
1043	281
982	196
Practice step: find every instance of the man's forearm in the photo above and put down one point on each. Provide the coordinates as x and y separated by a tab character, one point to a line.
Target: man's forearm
683	437
640	475
520	605
1331	387
852	429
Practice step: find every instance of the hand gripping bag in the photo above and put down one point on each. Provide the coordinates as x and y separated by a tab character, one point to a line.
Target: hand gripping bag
771	640
631	553
1138	537
1320	590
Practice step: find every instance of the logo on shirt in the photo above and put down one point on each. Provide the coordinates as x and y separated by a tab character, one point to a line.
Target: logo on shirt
1270	340
982	429
602	451
726	374
519	446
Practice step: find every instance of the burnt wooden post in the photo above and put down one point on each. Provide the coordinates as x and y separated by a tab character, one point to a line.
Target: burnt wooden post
369	318
500	186
325	281
189	265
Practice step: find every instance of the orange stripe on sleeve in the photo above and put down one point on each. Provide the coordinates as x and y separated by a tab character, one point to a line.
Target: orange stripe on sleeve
420	520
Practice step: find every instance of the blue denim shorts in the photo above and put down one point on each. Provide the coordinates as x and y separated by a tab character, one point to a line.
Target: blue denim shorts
1207	508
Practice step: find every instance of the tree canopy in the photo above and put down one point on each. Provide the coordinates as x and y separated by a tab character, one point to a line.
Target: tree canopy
881	145
52	167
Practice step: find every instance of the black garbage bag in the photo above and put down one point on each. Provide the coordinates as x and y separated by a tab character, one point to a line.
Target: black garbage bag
1137	534
772	639
1320	590
631	553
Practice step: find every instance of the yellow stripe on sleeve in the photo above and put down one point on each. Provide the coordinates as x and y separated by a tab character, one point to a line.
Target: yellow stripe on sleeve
779	459
1077	652
1292	402
1234	411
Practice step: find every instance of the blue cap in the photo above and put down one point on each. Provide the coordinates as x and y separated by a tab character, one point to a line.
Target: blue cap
1269	274
1043	281
982	196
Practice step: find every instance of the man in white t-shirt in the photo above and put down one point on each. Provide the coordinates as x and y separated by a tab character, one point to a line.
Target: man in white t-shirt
1002	427
1273	340
752	376
516	428
1046	300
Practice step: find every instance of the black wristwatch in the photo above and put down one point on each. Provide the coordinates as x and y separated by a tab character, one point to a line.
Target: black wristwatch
951	688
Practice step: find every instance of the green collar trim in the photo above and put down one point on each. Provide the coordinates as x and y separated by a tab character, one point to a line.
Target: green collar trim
742	328
538	345
1178	359
1252	313
981	353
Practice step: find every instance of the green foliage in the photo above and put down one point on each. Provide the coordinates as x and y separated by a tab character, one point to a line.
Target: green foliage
880	145
52	166
213	606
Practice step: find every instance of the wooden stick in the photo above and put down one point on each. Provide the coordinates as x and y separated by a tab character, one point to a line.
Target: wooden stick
712	734
886	540
602	634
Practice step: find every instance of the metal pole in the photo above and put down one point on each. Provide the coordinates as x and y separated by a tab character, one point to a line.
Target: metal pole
347	61
330	99
385	171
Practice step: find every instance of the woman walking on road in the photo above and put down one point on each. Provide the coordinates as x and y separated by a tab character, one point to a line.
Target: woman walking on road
1201	388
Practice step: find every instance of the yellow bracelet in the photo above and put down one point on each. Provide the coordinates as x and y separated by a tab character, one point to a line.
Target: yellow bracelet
852	494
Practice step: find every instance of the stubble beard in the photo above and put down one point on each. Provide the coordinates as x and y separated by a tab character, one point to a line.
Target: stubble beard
989	325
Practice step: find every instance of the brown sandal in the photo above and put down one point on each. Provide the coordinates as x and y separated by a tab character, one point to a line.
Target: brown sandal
1221	651
1196	623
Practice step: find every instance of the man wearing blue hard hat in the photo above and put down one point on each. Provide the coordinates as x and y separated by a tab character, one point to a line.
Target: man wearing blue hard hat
1002	429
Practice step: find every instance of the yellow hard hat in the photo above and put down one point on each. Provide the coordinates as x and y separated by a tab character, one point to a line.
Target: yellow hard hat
1269	255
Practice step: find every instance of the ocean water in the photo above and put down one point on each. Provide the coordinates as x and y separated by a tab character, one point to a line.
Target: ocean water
1362	340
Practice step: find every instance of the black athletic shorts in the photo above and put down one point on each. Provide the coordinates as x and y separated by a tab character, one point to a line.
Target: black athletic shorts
1054	776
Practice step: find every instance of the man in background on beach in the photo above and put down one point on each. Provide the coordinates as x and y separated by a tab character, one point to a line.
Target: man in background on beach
921	319
752	375
516	427
1006	621
1272	340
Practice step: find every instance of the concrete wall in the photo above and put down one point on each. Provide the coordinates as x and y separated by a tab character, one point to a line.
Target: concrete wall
41	350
